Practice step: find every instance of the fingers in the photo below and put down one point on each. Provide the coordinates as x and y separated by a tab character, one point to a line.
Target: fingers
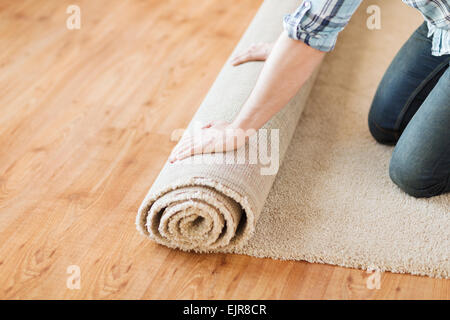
256	52
184	142
189	146
190	151
194	146
208	140
239	59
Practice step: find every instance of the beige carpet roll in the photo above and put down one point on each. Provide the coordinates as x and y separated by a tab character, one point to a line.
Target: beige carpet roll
332	200
203	207
196	217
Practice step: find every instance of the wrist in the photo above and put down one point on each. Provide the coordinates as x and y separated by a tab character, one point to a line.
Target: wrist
242	124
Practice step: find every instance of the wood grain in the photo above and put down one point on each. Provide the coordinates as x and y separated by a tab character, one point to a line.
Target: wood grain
85	124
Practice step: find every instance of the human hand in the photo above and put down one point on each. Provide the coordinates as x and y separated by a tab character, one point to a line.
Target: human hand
216	136
256	52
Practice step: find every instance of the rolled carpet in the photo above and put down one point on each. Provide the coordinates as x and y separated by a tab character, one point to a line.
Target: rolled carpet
332	200
203	207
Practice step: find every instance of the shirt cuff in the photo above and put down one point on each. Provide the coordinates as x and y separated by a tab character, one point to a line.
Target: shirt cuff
441	40
293	25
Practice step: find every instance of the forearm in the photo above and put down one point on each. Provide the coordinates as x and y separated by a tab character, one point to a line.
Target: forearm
287	68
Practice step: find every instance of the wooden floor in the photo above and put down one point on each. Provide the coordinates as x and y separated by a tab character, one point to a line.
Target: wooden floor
85	124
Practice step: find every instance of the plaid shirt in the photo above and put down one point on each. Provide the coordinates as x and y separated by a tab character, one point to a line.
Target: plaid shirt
318	22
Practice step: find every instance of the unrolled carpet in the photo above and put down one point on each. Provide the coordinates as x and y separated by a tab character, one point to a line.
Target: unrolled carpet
332	200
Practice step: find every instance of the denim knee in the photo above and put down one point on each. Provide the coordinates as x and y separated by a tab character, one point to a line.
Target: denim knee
413	180
380	134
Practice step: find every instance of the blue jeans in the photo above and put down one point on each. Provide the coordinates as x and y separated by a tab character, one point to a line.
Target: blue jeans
411	109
